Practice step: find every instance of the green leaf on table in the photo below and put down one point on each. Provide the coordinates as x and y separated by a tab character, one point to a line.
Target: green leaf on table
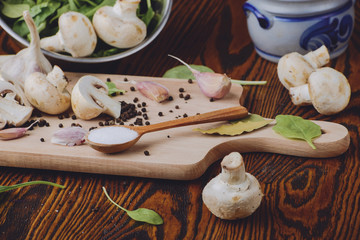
113	89
182	72
248	124
12	187
297	128
140	214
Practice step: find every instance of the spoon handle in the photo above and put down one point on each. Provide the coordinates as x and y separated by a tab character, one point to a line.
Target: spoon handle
226	114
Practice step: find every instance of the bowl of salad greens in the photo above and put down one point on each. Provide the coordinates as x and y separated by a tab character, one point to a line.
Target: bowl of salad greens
154	13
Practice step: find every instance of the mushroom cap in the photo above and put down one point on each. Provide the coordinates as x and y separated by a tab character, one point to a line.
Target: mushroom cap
329	90
45	96
227	202
293	70
89	98
118	30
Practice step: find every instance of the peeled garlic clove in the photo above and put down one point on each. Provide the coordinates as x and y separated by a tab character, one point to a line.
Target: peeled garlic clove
152	90
212	85
70	136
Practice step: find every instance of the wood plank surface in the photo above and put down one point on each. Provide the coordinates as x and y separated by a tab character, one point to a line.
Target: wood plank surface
304	197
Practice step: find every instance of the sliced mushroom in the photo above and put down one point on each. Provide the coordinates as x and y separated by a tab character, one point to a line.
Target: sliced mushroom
234	193
76	36
48	92
327	90
11	111
89	98
119	25
294	69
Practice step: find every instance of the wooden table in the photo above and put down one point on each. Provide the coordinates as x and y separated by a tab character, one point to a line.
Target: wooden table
304	198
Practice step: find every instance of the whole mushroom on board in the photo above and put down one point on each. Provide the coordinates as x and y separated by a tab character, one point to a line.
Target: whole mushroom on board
29	60
89	98
48	92
234	193
294	69
12	112
76	36
327	90
119	25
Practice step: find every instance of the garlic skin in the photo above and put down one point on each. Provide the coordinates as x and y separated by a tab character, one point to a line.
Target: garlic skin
152	90
234	193
28	60
70	136
212	85
119	26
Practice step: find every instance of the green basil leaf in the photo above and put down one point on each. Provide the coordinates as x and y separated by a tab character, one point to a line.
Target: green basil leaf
141	214
12	187
113	89
182	72
297	128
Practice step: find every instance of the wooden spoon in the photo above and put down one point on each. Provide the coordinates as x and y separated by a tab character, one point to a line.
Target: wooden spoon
232	113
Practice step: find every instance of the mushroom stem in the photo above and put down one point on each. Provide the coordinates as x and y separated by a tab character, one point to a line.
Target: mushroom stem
52	43
300	95
318	58
233	171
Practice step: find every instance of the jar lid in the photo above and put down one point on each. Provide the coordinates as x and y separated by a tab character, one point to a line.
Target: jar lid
298	8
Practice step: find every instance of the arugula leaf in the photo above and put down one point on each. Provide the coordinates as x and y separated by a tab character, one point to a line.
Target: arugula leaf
14	10
140	214
8	188
113	89
148	16
248	124
182	72
297	128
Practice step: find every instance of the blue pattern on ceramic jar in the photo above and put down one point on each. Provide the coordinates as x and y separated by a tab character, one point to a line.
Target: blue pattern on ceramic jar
279	27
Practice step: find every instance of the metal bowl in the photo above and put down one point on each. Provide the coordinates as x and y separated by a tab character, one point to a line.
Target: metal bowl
164	12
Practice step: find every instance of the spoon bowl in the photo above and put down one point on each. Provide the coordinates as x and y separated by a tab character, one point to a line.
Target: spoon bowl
107	140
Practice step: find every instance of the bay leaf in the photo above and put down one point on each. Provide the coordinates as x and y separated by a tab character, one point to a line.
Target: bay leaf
297	128
248	124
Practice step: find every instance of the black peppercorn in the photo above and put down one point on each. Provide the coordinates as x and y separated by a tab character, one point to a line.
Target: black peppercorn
146	152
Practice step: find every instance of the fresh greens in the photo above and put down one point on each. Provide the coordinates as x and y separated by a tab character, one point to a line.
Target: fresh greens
113	89
12	187
183	72
46	13
141	214
297	128
248	124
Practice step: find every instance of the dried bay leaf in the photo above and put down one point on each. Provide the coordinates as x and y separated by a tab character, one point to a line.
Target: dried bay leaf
248	124
297	128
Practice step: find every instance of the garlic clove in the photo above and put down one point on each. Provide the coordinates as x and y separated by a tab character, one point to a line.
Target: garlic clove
13	133
212	85
70	136
152	90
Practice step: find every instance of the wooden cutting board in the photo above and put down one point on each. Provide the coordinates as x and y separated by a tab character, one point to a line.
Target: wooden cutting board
179	153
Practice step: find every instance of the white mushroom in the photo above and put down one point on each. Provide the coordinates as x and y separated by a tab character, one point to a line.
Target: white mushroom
16	68
76	36
294	69
11	111
119	25
48	92
327	90
89	98
234	193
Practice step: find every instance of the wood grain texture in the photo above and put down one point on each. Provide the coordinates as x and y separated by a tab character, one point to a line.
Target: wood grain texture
305	198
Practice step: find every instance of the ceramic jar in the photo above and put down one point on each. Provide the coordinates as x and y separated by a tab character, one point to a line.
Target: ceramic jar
278	27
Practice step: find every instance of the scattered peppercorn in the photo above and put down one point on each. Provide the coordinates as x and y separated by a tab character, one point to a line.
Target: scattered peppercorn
143	109
170	98
212	99
181	95
147	123
132	89
108	79
73	117
42	140
177	107
139	105
135	99
160	114
187	97
190	80
66	115
146	152
181	90
125	79
47	124
185	115
143	104
61	125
